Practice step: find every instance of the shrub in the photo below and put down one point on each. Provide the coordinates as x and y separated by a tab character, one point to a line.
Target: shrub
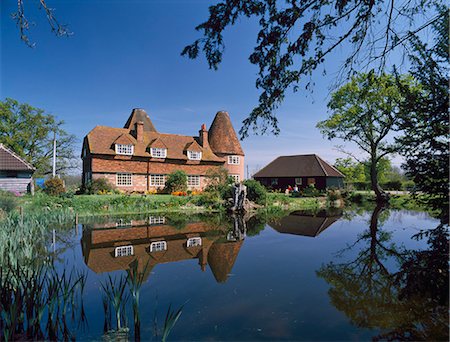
409	185
362	185
392	185
256	192
333	195
311	191
8	202
98	186
176	182
54	186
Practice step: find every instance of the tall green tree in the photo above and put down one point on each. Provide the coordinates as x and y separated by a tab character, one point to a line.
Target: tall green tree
29	132
353	170
365	111
295	37
425	120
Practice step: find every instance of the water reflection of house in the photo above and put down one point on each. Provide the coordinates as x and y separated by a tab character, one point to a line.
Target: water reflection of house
306	223
117	245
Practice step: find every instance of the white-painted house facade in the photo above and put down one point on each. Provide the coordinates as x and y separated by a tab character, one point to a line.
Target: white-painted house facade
16	175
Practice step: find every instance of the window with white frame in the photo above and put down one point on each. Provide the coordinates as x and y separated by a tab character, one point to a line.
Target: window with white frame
194	155
158	246
298	181
157	180
124	149
158	152
123	223
193	181
124	179
123	251
194	242
156	220
236	178
234	160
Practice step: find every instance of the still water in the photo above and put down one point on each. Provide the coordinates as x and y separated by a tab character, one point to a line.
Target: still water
329	275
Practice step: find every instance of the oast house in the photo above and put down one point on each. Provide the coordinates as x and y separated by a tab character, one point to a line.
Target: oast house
138	158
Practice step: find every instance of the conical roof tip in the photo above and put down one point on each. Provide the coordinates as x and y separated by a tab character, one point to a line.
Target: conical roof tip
222	136
140	115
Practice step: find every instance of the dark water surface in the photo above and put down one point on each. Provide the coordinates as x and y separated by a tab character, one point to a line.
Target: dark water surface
353	275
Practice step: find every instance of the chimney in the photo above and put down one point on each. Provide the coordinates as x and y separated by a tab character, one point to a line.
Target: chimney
203	136
140	131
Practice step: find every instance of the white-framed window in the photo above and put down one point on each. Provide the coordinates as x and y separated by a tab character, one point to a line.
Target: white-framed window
194	242
158	152
298	181
194	155
236	178
234	160
157	180
124	149
123	251
158	246
124	179
156	220
193	181
123	223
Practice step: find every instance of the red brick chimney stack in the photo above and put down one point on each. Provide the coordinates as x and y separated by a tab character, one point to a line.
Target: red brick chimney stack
203	136
140	131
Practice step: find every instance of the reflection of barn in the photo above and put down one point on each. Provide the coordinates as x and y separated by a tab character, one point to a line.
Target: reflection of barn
112	247
306	223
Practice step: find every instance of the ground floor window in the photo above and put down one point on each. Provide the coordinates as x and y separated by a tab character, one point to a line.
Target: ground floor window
236	178
157	180
274	181
311	181
158	246
124	179
156	220
123	251
298	181
194	242
193	181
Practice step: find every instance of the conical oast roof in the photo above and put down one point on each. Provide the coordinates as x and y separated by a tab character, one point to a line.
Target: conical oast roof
222	137
221	259
137	115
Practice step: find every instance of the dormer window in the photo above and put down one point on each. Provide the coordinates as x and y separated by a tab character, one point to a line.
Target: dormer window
123	251
158	152
194	155
158	246
234	160
124	149
194	242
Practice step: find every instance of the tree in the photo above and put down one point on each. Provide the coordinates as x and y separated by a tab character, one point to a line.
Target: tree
23	24
365	111
29	132
353	171
424	119
295	37
176	181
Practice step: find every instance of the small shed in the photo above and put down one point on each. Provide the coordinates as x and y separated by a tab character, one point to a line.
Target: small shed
301	170
16	175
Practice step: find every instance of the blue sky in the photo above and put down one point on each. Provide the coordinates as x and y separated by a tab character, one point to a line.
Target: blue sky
126	54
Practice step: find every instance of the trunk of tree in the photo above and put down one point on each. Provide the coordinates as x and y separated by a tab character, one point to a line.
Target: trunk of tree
379	192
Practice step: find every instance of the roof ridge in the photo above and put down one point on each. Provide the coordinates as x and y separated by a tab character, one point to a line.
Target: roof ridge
332	166
17	157
320	164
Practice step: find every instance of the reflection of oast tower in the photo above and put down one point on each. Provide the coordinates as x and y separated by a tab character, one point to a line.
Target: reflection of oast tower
108	248
306	224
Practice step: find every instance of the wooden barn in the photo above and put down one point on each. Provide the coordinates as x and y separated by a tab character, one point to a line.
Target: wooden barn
16	175
301	171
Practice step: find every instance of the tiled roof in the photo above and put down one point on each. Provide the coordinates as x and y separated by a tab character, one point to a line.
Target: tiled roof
222	137
307	165
9	161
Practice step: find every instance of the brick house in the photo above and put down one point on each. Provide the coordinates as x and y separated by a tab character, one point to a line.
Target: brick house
138	158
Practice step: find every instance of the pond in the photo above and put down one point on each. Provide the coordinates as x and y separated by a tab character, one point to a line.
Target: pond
327	275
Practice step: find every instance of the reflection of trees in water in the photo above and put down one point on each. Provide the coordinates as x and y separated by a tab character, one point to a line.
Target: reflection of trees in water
410	303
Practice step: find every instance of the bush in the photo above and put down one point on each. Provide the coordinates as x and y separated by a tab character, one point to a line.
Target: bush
409	185
219	183
8	202
54	187
176	182
362	185
333	195
256	192
311	191
98	186
392	185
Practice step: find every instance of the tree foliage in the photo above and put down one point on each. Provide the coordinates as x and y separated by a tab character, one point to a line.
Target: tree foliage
364	111
176	181
424	118
353	170
29	132
295	37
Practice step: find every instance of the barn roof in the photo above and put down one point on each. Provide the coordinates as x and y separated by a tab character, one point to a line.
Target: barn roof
9	161
305	165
